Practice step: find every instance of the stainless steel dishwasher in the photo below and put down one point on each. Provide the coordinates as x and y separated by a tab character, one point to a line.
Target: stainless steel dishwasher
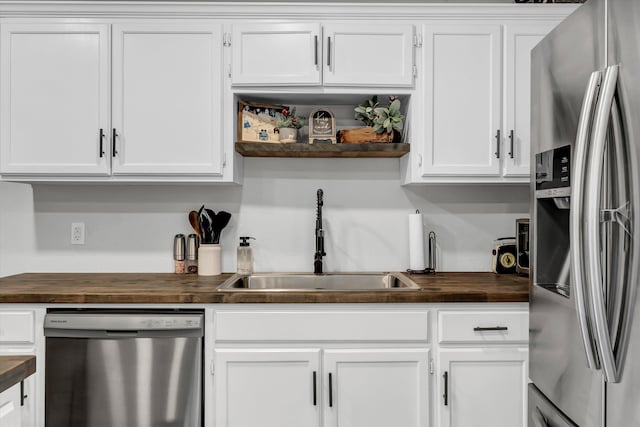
107	368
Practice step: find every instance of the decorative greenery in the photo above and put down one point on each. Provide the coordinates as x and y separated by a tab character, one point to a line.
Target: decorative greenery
382	119
365	111
288	119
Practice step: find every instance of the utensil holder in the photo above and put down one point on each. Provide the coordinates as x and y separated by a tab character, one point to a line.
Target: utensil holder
209	260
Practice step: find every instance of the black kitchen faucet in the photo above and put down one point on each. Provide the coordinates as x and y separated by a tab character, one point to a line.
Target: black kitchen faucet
317	259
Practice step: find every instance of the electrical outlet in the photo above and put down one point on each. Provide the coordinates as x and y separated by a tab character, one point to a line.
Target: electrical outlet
77	233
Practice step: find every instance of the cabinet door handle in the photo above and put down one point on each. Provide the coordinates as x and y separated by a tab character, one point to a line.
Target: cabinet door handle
23	396
492	328
445	395
497	153
329	52
511	144
101	152
315	396
315	52
330	390
114	135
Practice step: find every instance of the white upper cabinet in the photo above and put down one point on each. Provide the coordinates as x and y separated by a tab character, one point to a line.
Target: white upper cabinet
477	94
333	54
167	98
520	39
368	54
462	78
276	54
55	98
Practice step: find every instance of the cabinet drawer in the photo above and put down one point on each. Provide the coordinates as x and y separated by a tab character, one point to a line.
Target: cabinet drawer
291	325
16	327
483	326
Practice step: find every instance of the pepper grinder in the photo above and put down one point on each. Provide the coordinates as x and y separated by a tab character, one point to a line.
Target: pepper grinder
178	254
192	253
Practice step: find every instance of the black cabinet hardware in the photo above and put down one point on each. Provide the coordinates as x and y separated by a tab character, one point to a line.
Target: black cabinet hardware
511	144
23	396
445	396
497	153
315	397
101	152
329	52
315	52
114	135
493	328
330	390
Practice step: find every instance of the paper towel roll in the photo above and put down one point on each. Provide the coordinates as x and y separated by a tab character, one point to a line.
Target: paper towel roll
416	242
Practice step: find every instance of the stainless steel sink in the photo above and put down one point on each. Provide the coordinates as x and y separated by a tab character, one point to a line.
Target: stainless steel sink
279	282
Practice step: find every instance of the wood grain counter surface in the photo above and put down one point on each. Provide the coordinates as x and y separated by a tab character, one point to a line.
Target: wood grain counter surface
14	369
167	288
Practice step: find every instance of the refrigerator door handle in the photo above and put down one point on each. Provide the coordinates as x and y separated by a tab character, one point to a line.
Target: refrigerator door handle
576	217
592	223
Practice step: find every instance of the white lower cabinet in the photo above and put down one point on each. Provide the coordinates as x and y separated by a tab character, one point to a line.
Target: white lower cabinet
267	387
482	366
481	387
10	408
376	388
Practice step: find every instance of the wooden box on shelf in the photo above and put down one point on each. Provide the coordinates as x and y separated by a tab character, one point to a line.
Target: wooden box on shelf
365	135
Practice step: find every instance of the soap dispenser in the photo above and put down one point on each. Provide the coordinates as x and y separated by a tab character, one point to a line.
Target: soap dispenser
245	256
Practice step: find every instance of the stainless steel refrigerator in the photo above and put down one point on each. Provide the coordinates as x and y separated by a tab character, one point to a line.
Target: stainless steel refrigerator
585	313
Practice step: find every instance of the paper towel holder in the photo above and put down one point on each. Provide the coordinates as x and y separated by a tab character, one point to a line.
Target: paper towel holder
432	256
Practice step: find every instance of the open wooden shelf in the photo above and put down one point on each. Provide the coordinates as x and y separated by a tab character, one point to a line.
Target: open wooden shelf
261	149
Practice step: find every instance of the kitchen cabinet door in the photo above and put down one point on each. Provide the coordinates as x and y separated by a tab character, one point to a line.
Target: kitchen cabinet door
376	388
480	387
520	39
54	109
462	99
10	409
285	54
167	98
267	387
368	54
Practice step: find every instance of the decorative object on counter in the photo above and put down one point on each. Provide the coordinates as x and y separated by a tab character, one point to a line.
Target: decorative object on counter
322	127
504	256
245	256
257	122
416	246
383	124
193	242
288	124
178	254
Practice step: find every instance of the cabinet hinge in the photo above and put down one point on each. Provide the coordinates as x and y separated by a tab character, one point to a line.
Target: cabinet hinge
226	39
417	40
415	71
419	160
212	368
224	159
431	367
229	70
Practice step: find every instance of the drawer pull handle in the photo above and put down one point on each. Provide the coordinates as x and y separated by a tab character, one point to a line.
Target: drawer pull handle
493	328
23	396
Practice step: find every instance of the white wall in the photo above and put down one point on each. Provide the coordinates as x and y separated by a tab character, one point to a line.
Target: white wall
16	228
131	227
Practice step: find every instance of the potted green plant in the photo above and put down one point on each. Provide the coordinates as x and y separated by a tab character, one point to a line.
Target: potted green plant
288	124
382	124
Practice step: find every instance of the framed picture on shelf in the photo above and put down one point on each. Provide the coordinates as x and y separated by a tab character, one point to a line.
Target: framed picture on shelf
257	122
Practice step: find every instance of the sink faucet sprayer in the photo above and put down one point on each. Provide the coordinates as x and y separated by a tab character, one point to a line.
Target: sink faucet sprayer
317	259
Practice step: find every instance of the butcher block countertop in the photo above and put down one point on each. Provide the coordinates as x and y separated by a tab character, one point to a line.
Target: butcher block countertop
167	288
14	369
